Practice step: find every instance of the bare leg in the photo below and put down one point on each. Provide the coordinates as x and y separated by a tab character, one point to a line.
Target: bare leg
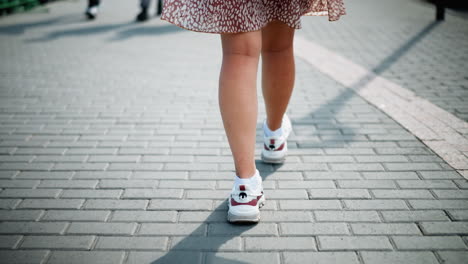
278	70
238	97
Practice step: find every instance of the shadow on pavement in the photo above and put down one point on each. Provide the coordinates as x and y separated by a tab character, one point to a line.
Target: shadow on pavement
124	33
188	249
84	31
17	29
339	100
145	31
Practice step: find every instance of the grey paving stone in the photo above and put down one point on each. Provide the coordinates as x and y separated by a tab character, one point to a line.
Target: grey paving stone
76	257
57	242
412	166
226	229
381	158
132	166
426	184
20	215
9	242
440	175
170	204
9	203
218	243
286	216
459	215
163	175
375	204
244	257
7	174
452	194
402	194
280	243
327	158
116	204
320	257
205	216
286	194
144	216
390	175
76	215
453	257
429	242
132	243
309	204
18	183
356	167
414	216
95	175
312	229
29	193
358	184
333	243
32	228
141	257
23	256
68	184
204	185
90	194
69	166
51	203
399	257
314	184
385	229
438	204
338	193
463	184
115	184
152	193
52	175
207	194
172	229
91	228
346	216
442	228
26	166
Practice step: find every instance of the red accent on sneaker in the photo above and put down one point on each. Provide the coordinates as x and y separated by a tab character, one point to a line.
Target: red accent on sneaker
280	147
253	202
272	141
242	187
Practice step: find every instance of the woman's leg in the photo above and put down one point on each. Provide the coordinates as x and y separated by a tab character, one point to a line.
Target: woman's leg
278	70
238	97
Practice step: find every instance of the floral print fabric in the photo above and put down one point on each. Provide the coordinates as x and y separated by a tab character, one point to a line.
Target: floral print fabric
234	16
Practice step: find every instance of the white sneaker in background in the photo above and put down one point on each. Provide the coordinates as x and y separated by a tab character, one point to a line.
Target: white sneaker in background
275	148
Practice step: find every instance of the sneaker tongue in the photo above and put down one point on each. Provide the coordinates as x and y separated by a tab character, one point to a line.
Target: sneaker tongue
242	187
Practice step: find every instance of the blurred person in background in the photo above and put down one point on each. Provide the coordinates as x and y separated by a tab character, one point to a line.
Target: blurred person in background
144	4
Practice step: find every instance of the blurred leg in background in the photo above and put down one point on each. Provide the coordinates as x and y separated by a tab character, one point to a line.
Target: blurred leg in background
92	9
144	4
143	15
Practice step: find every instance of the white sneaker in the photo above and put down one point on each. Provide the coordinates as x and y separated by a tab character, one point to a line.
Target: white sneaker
275	148
92	12
245	203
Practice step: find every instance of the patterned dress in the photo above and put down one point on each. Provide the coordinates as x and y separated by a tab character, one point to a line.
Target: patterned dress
234	16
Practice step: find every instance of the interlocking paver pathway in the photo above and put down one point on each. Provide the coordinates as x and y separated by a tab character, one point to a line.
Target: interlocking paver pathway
112	148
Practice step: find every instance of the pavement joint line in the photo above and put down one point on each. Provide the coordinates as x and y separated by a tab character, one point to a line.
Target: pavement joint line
435	127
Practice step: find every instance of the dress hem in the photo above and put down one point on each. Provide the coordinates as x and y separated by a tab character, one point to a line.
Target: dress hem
321	13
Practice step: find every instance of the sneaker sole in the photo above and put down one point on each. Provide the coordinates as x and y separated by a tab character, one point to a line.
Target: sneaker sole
273	160
253	218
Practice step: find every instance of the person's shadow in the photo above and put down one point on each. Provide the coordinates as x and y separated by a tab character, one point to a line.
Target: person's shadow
190	248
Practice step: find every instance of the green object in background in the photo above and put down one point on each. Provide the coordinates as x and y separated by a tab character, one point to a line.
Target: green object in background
12	6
